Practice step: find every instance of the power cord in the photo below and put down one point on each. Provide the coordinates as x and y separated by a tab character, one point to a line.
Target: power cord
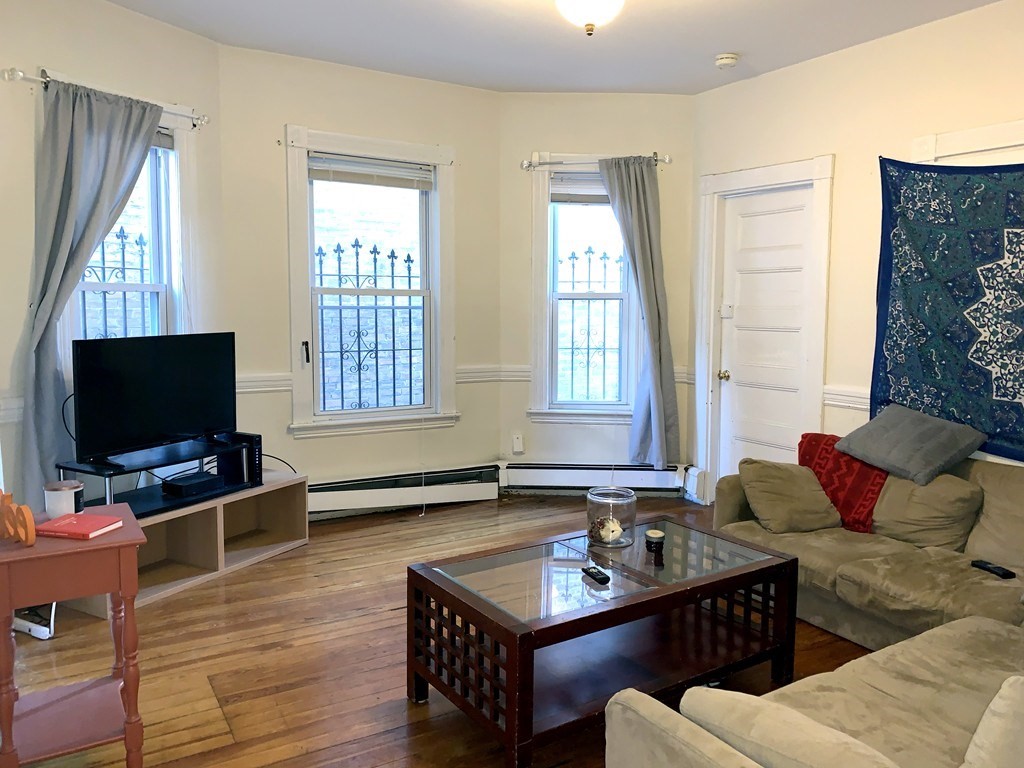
64	417
278	458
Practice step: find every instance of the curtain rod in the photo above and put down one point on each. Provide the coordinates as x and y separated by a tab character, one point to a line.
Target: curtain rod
14	75
529	165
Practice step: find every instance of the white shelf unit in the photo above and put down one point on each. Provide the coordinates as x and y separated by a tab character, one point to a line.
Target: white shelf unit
194	544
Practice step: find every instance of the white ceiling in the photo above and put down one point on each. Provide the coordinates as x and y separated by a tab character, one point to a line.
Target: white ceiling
654	46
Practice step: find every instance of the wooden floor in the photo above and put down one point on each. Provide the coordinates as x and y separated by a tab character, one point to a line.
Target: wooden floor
300	661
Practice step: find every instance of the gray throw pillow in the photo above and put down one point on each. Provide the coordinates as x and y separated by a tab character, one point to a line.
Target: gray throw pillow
786	498
911	444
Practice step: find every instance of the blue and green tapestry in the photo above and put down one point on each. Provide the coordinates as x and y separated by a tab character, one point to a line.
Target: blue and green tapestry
950	335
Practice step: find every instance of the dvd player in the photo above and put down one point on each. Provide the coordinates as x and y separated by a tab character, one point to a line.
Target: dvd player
195	484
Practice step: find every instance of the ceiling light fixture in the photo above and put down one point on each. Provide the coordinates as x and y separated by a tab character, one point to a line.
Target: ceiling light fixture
589	14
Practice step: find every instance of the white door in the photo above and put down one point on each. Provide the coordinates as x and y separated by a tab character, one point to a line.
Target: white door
771	369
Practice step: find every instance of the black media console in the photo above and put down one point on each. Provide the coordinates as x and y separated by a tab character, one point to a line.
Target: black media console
238	462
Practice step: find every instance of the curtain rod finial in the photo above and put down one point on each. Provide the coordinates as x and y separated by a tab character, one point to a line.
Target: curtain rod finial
526	165
12	75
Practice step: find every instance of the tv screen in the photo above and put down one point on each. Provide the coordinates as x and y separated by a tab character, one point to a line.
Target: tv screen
138	393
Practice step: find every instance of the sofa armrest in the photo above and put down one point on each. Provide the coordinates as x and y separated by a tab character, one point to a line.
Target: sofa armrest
641	732
731	502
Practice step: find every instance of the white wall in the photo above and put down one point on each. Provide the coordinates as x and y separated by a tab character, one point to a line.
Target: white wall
869	100
104	46
857	104
261	93
586	124
242	278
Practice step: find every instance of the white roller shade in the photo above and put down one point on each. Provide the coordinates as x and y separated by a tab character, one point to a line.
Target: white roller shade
381	173
577	187
163	139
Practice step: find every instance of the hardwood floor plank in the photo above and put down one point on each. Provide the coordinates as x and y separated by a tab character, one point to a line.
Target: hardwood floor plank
299	661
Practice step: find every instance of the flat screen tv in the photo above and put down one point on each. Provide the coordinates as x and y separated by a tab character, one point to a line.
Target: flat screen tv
137	393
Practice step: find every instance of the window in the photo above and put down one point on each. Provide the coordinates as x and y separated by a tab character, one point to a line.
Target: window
124	288
369	237
371	282
586	362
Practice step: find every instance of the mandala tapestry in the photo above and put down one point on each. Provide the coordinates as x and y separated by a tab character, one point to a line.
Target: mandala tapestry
950	335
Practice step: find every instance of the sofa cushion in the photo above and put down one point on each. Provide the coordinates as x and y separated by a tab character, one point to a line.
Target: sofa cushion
820	552
928	587
774	735
641	731
999	740
786	497
851	484
917	702
911	444
998	535
940	514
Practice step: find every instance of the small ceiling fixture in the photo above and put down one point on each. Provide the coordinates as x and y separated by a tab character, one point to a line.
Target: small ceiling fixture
727	60
589	14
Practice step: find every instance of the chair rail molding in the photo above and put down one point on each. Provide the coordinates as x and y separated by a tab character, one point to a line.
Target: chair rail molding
488	374
850	398
684	375
259	383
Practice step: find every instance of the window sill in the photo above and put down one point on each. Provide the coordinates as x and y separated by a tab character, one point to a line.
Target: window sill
566	416
374	425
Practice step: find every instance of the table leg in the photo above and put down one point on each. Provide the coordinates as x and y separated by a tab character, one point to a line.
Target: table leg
418	688
519	756
519	718
785	626
117	633
8	692
130	688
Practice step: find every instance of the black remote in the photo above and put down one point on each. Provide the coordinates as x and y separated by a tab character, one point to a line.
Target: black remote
998	570
596	574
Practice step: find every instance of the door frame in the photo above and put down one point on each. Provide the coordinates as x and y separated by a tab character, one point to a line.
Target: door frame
715	190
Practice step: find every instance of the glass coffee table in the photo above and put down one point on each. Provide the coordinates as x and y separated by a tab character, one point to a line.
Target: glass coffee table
527	645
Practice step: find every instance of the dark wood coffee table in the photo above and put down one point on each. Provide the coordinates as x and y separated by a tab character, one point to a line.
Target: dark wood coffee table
528	646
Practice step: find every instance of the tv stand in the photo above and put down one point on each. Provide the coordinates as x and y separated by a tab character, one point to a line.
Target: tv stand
200	540
193	539
108	462
150	500
214	440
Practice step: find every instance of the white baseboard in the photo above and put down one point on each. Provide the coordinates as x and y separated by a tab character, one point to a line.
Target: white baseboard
328	505
555	476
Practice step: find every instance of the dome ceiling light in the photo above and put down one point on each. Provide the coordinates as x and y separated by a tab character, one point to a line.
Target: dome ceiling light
589	14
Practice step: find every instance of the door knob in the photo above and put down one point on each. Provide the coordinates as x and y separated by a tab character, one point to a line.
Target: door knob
724	375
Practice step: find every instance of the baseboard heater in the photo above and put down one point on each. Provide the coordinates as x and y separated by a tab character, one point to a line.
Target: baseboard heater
354	497
531	477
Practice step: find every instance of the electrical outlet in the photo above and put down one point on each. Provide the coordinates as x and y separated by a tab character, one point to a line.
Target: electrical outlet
517	443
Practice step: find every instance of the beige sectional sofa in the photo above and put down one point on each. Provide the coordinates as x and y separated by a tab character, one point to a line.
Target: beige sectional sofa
875	589
950	697
946	688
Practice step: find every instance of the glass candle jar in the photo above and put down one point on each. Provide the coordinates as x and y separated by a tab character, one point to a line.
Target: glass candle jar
611	516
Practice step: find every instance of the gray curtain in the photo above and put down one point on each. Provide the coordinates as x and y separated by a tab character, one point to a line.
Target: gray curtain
93	149
632	184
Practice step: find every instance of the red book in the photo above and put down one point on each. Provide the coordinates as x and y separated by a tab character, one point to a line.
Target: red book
79	526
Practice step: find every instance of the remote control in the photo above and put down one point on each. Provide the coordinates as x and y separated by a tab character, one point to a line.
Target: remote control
998	570
596	574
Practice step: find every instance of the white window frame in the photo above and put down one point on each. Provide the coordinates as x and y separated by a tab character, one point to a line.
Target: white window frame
439	384
159	250
543	408
177	267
